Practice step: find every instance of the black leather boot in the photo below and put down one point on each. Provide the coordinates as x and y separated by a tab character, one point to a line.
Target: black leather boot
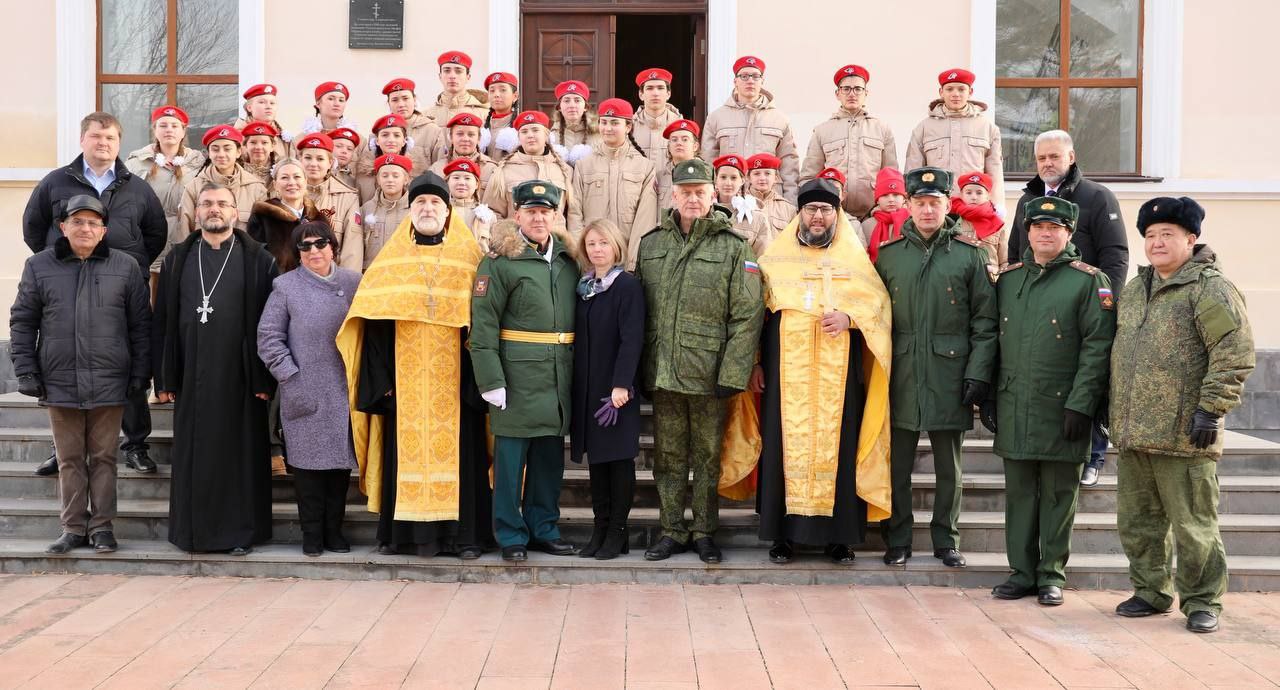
615	542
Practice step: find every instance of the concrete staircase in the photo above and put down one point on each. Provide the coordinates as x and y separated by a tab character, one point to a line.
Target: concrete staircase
1250	508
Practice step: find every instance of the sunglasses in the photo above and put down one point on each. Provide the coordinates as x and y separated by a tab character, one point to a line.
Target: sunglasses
305	247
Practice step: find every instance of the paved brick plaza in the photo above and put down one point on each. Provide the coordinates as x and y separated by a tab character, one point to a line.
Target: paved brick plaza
107	631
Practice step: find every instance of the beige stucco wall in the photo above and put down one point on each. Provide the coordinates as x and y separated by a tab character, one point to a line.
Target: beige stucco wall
29	107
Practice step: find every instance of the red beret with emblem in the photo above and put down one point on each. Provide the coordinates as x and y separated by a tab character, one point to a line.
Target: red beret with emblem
170	111
889	181
393	159
222	132
731	160
315	141
455	57
573	86
501	78
682	126
852	71
615	107
531	117
260	90
259	129
764	161
466	120
461	165
963	76
332	86
748	61
344	133
833	174
653	74
975	177
391	120
400	84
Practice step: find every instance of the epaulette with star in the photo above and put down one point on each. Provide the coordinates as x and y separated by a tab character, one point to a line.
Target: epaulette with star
1011	267
1084	267
971	241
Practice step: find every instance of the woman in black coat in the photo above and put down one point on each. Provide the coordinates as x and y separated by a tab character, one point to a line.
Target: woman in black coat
609	334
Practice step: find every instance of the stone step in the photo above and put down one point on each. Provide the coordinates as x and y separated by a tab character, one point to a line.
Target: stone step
1243	534
741	566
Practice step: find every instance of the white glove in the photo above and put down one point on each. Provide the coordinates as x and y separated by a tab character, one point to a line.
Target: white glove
496	397
745	205
507	140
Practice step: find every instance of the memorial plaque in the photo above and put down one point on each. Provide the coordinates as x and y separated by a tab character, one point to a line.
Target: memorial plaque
377	24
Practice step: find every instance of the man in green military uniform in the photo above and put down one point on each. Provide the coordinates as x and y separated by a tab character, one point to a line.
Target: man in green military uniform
1057	320
1182	352
705	311
522	348
944	353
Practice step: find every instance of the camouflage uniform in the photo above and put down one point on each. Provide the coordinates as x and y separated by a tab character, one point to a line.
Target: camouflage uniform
1182	343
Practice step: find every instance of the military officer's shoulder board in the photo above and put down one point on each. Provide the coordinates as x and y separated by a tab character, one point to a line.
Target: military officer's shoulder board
899	238
971	241
1011	267
1084	267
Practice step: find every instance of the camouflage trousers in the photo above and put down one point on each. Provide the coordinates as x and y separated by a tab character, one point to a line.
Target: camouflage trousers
1163	501
687	430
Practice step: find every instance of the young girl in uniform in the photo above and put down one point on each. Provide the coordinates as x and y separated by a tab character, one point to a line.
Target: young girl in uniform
345	144
762	180
574	129
464	196
682	145
390	135
380	215
330	109
335	200
222	146
731	182
259	155
504	94
260	106
534	160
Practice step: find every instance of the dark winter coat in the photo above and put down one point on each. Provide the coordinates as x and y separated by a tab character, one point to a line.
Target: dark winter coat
82	326
606	355
135	217
272	224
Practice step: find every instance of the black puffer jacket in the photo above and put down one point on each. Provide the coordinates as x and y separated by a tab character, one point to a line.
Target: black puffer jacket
82	326
135	218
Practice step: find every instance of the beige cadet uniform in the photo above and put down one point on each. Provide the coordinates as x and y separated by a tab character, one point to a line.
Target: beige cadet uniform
281	147
168	188
774	215
575	134
480	229
367	178
520	167
338	203
369	228
244	185
426	134
497	124
486	164
621	185
474	101
748	130
648	130
959	142
858	145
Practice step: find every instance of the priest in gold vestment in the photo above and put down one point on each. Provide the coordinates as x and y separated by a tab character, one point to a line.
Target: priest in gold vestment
824	379
417	419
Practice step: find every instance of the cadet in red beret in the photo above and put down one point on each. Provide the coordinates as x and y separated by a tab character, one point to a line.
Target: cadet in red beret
223	145
836	176
889	213
334	198
655	114
345	144
533	160
833	174
749	123
972	132
330	109
390	135
573	124
260	106
762	182
259	153
455	97
979	219
853	141
504	92
465	137
461	176
682	145
167	163
731	192
375	221
403	101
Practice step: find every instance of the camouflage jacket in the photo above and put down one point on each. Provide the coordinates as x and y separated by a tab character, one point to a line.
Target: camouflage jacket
1181	343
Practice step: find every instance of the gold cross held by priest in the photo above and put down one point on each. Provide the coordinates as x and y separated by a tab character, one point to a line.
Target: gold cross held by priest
827	272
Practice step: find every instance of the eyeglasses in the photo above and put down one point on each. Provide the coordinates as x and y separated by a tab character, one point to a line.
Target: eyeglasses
84	222
308	245
846	90
751	77
814	209
220	204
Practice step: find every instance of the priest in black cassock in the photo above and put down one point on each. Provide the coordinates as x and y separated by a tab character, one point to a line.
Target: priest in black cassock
824	467
212	290
417	418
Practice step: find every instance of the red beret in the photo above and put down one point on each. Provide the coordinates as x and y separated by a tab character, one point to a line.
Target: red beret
963	76
575	87
259	90
393	159
833	174
391	120
331	86
731	160
975	177
170	111
466	120
764	161
400	84
682	125
344	133
889	181
531	117
461	165
501	78
852	71
615	107
653	74
315	141
259	129
456	57
222	132
748	61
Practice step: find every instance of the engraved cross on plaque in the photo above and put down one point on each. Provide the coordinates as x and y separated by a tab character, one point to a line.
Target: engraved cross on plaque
827	272
376	9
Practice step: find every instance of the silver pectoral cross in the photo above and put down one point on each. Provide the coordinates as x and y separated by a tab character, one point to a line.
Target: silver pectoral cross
204	310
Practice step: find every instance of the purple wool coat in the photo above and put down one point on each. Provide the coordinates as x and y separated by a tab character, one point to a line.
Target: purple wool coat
296	341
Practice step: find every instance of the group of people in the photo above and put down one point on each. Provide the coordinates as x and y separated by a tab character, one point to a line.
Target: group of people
438	319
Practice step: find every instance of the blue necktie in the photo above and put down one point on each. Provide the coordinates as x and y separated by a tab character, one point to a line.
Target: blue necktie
1050	192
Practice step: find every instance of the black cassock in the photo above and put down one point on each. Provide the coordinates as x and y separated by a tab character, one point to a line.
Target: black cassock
475	510
848	523
220	493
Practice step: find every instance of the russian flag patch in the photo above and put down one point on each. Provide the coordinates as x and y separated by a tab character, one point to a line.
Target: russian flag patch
1108	300
751	266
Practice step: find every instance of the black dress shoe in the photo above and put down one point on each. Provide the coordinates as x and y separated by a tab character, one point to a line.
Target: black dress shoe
1010	590
951	557
139	460
897	555
555	547
65	543
840	554
241	551
470	553
707	550
49	467
103	542
386	549
1202	622
312	549
1137	607
781	552
515	553
664	549
1050	595
337	543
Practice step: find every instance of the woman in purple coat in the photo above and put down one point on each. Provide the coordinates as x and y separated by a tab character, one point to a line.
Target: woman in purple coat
296	341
